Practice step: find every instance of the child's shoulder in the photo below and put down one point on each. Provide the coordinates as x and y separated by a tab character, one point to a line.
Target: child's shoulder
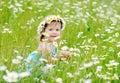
41	46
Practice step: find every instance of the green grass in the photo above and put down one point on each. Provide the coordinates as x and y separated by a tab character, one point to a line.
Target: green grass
90	17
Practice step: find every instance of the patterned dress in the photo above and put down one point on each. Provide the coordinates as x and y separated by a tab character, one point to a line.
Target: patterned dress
35	58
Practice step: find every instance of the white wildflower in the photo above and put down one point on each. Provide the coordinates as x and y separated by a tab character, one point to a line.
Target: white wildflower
59	80
94	57
16	51
88	64
97	35
118	54
104	47
49	66
89	75
64	48
16	61
112	62
89	40
94	3
3	68
77	73
108	30
69	74
95	46
71	49
18	4
11	77
111	49
19	57
118	44
102	58
6	30
96	62
79	34
24	74
116	34
36	79
30	8
115	77
88	81
99	69
76	54
42	81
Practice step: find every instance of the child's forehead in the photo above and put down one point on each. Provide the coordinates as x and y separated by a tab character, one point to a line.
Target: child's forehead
54	24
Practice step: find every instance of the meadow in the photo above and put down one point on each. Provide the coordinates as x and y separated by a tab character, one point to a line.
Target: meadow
92	35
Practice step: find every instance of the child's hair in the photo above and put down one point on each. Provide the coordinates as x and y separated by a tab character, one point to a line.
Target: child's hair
49	19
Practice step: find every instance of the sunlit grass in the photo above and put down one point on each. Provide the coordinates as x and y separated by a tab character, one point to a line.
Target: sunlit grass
92	35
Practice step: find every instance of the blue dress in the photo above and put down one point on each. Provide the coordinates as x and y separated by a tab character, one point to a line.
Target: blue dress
35	58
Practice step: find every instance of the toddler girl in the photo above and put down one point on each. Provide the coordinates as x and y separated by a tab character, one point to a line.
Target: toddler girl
49	31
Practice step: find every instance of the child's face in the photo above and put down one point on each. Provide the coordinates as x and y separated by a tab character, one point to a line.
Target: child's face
53	30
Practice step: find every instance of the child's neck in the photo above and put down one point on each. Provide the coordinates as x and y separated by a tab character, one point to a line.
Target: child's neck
50	42
54	43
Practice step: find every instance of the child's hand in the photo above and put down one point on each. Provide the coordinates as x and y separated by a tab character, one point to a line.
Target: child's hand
66	54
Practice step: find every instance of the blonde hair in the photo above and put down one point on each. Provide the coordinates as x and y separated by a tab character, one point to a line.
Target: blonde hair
42	35
49	19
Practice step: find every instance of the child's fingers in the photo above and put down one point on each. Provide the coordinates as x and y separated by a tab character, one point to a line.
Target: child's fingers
68	57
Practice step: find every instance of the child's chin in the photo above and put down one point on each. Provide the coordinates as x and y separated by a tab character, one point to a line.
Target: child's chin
51	40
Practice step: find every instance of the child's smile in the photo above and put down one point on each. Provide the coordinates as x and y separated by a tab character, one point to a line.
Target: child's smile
53	31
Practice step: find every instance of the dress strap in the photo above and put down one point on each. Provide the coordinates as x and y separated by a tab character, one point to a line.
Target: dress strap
53	49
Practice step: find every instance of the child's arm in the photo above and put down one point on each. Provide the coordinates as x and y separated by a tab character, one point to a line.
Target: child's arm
62	54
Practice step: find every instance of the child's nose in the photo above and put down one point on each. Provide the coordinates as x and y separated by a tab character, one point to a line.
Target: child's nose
54	31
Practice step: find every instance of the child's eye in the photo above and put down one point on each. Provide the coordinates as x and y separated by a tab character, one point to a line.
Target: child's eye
57	29
50	29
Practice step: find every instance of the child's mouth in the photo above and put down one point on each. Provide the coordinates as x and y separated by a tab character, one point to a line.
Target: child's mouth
55	37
